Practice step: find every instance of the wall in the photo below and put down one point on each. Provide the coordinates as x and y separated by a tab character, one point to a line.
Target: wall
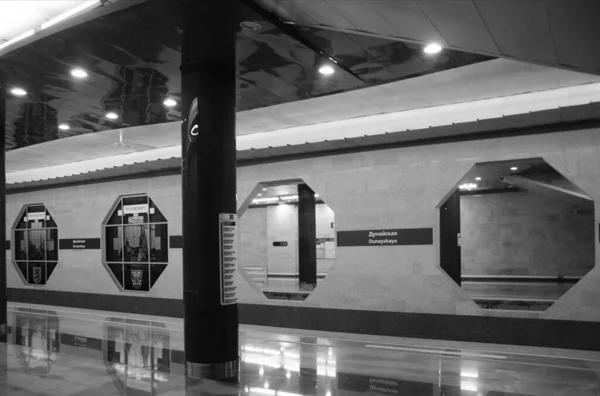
524	234
394	188
260	227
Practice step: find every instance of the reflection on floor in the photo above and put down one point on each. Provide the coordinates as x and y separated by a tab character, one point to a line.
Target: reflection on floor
75	352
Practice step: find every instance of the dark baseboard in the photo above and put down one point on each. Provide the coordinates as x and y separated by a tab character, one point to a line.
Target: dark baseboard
512	331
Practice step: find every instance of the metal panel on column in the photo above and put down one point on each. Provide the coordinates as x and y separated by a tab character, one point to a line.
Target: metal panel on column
209	189
307	238
3	299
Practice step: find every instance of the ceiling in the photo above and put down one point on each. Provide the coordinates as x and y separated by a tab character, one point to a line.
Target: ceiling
132	57
18	16
558	33
520	87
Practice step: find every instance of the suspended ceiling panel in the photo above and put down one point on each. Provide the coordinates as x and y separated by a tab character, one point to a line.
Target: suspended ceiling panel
560	33
132	58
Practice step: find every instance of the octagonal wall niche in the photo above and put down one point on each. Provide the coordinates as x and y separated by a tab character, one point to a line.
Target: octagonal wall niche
136	242
287	239
516	235
35	246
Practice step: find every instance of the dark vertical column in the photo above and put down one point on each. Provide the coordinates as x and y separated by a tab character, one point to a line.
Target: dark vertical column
450	251
3	299
209	186
307	238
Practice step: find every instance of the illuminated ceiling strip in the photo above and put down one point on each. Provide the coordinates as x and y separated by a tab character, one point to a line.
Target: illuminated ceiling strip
51	22
423	118
347	128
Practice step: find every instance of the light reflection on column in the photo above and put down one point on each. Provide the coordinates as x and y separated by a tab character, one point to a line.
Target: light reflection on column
137	355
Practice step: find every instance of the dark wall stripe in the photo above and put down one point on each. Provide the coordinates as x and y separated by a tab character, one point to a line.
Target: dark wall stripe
176	241
515	331
388	237
79	243
7	245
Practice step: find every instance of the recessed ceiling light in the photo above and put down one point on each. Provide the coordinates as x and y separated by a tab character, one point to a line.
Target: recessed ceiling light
79	73
64	127
432	48
170	102
478	178
112	115
264	189
18	92
514	168
260	195
326	70
467	186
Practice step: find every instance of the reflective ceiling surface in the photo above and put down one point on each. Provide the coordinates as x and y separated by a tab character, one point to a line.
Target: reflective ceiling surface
132	58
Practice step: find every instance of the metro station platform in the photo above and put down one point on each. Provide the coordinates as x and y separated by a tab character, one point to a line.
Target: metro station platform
67	352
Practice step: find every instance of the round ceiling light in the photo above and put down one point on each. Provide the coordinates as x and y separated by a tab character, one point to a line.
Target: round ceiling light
79	73
250	25
478	178
18	92
64	127
514	168
432	48
170	102
326	70
112	115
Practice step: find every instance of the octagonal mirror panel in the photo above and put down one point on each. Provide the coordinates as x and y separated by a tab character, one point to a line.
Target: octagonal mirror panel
35	244
136	242
287	239
516	235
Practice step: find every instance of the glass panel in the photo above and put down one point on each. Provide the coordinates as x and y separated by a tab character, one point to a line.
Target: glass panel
155	271
135	244
117	215
20	245
117	270
37	273
50	223
155	214
22	224
35	248
50	266
36	217
159	243
135	210
23	268
136	277
51	244
114	243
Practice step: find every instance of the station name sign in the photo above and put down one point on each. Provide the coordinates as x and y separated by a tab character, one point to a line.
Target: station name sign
389	237
79	243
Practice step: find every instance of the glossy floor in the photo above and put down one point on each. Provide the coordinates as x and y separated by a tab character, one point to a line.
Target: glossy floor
67	352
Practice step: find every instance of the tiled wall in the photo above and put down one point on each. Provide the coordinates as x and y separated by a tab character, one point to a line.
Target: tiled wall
525	234
394	188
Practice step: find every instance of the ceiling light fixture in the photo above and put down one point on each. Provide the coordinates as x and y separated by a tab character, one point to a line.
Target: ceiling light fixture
326	70
478	178
432	48
79	73
51	22
112	115
467	186
170	102
514	168
64	127
18	92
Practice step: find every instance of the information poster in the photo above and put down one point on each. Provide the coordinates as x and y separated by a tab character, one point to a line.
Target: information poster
228	257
